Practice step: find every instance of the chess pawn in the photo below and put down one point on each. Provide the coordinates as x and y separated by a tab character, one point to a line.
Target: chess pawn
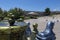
35	27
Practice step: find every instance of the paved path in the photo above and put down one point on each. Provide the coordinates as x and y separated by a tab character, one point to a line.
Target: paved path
42	24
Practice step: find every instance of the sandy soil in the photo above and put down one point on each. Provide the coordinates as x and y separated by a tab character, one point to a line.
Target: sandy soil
41	21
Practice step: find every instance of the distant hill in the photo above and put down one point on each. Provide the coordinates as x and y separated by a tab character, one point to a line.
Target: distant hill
58	12
40	13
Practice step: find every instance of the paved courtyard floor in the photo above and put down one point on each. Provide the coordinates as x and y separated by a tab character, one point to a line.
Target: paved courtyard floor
41	21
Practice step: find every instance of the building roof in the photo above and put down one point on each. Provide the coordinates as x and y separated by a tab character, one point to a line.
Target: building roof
33	13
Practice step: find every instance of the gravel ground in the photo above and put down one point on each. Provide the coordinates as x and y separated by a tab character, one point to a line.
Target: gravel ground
41	21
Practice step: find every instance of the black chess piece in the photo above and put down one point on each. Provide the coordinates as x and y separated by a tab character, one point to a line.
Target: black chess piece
48	33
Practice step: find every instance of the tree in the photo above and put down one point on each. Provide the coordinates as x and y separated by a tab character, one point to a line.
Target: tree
47	11
5	13
17	12
1	14
14	14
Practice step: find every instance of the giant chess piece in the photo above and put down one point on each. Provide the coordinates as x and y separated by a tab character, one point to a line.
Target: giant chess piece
48	33
35	28
34	32
28	30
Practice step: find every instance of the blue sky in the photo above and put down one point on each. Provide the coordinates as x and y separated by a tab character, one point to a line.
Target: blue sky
30	5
